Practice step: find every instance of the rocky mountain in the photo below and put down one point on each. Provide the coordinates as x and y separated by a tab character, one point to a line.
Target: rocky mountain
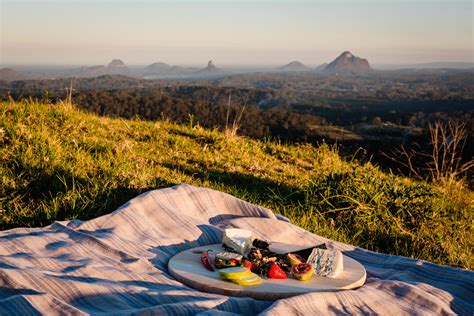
117	67
210	69
8	74
321	67
157	68
294	66
347	62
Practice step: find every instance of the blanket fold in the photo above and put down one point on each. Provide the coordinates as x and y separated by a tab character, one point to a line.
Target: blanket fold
117	264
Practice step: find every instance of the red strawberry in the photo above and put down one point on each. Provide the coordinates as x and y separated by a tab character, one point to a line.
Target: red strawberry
248	264
276	272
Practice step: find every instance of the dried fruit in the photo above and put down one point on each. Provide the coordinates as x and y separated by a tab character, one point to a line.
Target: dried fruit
302	271
293	259
256	266
262	244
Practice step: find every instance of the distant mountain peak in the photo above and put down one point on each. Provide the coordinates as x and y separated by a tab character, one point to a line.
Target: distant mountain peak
210	69
294	66
117	67
159	63
347	62
116	63
158	67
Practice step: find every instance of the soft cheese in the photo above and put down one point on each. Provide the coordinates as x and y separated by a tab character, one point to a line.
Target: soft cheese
326	262
239	240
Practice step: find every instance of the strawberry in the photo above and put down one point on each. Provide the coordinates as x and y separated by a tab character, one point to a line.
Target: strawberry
275	272
248	264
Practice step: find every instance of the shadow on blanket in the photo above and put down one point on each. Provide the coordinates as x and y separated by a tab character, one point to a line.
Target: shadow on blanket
115	280
210	235
403	277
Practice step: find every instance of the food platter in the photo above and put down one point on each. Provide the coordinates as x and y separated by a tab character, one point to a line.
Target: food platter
186	267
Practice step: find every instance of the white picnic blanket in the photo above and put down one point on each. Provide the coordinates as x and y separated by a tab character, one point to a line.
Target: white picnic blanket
117	264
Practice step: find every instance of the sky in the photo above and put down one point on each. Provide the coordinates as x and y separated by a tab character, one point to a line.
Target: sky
235	32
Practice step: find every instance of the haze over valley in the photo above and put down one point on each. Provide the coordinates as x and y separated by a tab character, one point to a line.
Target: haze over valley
345	63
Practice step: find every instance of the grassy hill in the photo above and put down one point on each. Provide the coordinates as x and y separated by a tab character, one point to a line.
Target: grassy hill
60	163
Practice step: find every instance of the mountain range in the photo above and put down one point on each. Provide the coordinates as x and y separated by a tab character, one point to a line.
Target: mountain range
345	63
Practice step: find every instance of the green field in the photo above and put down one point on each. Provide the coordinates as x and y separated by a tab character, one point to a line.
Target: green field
60	163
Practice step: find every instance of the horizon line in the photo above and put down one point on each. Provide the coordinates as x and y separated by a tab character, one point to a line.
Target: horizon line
230	64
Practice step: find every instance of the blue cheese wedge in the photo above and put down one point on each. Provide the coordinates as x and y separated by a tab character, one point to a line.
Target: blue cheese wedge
228	256
227	259
239	240
326	263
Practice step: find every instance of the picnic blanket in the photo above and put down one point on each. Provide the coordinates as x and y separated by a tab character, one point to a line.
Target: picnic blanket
117	264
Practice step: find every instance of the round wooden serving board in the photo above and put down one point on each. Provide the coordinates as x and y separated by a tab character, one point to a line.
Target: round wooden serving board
187	268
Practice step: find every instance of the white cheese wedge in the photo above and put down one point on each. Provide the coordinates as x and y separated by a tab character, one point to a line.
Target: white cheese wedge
326	263
239	240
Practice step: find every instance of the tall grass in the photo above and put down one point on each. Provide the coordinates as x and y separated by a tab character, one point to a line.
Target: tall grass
231	130
59	163
442	158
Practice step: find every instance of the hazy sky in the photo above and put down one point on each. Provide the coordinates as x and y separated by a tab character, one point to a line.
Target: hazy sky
234	32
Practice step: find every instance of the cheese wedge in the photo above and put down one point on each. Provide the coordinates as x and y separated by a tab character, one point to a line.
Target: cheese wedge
239	240
328	263
227	259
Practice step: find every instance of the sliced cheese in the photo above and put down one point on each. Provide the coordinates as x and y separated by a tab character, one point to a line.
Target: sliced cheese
328	263
239	240
235	273
249	281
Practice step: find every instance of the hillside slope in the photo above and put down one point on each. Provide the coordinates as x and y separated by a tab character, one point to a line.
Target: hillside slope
58	163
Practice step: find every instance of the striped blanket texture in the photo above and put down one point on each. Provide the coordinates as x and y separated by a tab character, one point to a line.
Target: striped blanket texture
117	264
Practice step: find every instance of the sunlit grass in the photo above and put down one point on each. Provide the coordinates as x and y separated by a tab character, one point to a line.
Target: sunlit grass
60	163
